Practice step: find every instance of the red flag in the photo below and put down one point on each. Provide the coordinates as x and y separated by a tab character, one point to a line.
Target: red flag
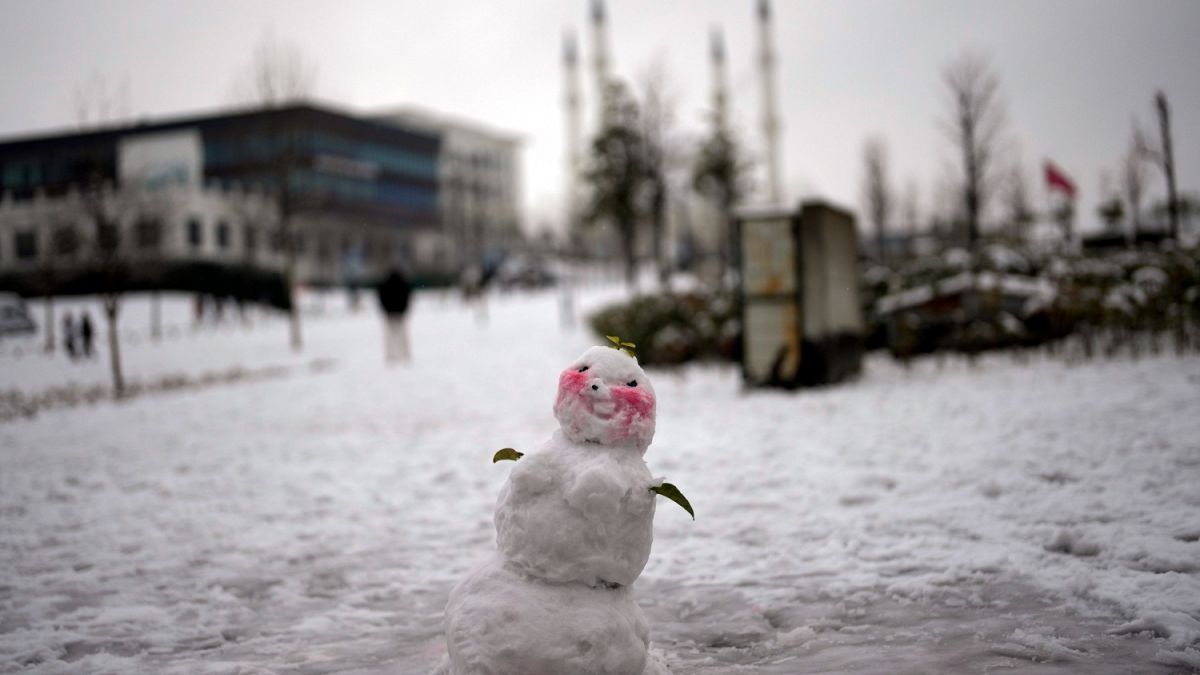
1057	180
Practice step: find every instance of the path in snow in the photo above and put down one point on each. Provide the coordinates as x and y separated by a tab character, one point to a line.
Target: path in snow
1035	516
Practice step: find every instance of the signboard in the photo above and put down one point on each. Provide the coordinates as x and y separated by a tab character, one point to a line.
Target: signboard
153	161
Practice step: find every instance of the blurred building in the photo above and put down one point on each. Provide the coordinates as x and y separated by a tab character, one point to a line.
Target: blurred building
479	184
360	195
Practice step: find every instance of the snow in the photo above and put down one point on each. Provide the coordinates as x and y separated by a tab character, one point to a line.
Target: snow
1032	514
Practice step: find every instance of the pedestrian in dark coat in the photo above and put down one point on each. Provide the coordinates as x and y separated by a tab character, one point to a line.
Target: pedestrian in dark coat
85	333
70	341
394	294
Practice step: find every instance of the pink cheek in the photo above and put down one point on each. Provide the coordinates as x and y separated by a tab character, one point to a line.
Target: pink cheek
634	402
570	382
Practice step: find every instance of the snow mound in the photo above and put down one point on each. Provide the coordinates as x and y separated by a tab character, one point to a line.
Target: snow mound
1181	630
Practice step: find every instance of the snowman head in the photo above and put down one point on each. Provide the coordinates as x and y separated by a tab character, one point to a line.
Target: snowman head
604	397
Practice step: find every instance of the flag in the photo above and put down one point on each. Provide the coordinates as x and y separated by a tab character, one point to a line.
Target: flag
1057	180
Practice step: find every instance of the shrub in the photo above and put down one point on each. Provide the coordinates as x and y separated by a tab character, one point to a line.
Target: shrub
674	328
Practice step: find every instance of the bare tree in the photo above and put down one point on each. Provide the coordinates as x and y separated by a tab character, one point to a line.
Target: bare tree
912	207
47	276
149	234
659	103
721	173
1064	215
103	208
284	164
96	102
109	210
945	207
1110	209
280	73
974	125
1133	185
877	194
617	172
1020	214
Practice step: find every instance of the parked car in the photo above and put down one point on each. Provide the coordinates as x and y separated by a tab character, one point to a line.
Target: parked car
524	272
14	316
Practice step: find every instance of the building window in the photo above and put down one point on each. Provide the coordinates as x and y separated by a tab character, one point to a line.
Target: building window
324	247
277	239
25	244
148	234
108	237
65	241
249	239
195	233
222	235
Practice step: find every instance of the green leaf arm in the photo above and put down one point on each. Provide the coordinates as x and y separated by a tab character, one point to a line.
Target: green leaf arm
507	453
671	492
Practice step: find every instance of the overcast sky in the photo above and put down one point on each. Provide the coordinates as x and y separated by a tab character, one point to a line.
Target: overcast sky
1074	74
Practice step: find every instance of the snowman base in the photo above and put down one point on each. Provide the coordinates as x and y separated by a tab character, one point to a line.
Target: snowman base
500	621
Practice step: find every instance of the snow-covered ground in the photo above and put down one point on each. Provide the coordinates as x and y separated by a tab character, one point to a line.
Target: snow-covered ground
1031	516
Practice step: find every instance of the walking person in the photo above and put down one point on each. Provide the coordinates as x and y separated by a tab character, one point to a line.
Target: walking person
394	293
70	342
85	333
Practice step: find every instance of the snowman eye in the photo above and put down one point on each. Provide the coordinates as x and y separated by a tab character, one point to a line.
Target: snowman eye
583	368
631	383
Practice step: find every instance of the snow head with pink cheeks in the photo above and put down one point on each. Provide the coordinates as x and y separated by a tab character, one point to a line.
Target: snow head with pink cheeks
606	398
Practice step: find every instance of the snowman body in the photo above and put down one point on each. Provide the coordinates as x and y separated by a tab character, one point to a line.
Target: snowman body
573	513
574	526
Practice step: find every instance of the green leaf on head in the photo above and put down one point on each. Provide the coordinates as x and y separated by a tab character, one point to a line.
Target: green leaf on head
671	492
507	453
620	346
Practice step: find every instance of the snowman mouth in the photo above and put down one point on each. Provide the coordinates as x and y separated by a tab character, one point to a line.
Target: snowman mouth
604	409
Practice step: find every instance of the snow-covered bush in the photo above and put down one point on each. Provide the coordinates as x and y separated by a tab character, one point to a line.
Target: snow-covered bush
674	328
1005	296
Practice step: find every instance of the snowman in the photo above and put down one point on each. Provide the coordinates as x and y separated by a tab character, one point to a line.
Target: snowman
574	525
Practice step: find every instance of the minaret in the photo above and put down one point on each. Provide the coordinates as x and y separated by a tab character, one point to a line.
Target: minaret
720	89
573	129
770	118
600	40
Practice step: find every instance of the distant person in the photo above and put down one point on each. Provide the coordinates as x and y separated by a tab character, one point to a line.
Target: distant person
85	333
394	294
240	303
471	282
70	341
